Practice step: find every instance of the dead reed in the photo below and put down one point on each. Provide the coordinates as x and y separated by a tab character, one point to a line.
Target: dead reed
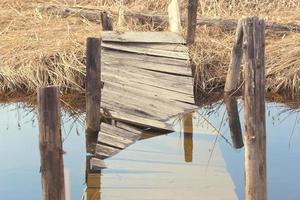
38	49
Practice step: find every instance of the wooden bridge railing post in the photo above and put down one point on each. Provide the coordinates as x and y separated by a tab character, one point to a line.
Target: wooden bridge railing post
174	16
192	21
106	22
254	109
233	73
93	84
52	166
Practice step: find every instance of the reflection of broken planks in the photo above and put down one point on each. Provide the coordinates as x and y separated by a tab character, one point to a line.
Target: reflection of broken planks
146	78
112	139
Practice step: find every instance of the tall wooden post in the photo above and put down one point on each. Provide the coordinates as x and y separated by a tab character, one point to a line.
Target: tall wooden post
52	166
233	74
192	21
234	121
174	16
93	85
188	137
254	103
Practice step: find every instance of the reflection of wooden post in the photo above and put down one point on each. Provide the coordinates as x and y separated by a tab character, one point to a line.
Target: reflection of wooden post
93	182
174	16
233	73
192	21
188	137
93	80
106	22
254	101
234	121
52	166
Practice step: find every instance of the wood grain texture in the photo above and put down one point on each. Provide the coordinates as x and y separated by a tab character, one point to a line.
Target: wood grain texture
146	80
51	152
93	87
254	112
142	37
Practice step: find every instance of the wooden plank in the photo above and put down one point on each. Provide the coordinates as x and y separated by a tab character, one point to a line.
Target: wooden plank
141	121
146	51
113	140
96	164
143	37
103	151
144	58
150	66
160	46
120	132
156	80
155	93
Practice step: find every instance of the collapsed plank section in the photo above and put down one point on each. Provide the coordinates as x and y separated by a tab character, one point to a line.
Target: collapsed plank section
147	78
112	139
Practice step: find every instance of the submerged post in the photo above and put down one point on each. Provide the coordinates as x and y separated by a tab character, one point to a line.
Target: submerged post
93	86
52	166
233	73
188	137
192	21
254	103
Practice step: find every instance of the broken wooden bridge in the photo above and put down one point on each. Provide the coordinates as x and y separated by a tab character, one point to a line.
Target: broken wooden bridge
146	80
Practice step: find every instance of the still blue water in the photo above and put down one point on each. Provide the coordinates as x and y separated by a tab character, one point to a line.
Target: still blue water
157	166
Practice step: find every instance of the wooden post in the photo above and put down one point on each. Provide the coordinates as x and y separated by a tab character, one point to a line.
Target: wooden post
234	121
254	111
192	21
188	137
52	166
174	16
121	14
93	85
233	73
106	22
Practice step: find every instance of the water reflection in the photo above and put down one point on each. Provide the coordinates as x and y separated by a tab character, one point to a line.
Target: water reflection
187	122
93	182
156	167
234	121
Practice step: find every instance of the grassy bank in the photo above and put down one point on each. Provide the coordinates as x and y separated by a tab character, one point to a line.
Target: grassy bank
38	48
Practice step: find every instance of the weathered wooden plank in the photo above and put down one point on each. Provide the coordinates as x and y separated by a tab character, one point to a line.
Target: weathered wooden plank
145	51
96	164
113	140
156	80
150	66
103	151
141	121
143	37
160	46
150	92
121	132
143	58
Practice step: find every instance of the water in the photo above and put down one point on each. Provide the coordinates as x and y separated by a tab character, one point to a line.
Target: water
198	165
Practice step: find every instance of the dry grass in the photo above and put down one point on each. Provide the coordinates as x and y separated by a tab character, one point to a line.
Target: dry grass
37	49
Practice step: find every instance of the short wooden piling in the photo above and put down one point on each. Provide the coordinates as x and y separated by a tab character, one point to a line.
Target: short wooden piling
106	22
93	85
51	152
192	21
254	109
233	73
174	16
234	121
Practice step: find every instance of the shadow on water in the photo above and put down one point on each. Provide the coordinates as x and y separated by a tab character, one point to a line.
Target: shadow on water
203	159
